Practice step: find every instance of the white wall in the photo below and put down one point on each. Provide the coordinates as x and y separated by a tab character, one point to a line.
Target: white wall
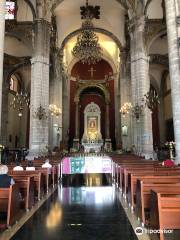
155	10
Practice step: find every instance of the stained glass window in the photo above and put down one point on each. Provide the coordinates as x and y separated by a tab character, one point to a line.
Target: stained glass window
10	10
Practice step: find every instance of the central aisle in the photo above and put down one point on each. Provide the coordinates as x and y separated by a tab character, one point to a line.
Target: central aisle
79	213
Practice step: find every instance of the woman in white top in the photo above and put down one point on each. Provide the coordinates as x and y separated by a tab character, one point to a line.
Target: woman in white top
30	166
47	164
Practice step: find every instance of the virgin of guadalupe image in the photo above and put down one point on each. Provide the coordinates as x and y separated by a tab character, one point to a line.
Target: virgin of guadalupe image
92	124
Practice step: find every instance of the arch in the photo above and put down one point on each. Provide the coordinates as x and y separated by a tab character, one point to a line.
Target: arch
32	8
122	2
98	30
153	82
104	57
16	67
146	7
159	34
90	85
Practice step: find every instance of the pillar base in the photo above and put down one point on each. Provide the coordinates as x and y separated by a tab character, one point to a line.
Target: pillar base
76	143
108	145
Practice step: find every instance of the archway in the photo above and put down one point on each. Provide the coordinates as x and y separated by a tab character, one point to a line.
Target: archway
88	86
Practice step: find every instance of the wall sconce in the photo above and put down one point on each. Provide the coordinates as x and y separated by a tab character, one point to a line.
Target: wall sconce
124	130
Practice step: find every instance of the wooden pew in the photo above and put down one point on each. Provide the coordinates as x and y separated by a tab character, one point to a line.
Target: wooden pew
38	180
160	170
143	191
26	188
165	210
132	180
10	203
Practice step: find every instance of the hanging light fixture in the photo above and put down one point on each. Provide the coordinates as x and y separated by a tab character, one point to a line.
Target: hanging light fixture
54	110
87	48
40	113
125	108
19	101
151	99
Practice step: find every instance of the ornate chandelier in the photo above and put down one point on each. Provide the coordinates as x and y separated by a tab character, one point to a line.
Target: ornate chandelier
137	111
54	110
87	48
19	101
40	113
151	99
126	108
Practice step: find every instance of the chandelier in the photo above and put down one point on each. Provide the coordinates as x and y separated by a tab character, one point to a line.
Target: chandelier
40	113
19	101
137	111
54	110
87	48
151	99
126	108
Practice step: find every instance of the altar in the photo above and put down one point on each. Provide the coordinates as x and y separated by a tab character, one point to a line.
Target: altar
92	139
92	146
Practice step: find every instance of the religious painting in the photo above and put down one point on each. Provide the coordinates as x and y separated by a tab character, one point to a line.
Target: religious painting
92	125
10	10
92	122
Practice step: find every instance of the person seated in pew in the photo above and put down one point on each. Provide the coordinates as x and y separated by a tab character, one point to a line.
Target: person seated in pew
47	164
168	163
18	167
30	166
5	180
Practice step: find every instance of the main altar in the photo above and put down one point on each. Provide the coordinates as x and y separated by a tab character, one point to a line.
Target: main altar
92	138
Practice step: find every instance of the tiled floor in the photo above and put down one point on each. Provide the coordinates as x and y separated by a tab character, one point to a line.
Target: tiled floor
79	213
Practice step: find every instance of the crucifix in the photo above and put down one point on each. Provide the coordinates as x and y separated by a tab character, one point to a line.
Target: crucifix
92	72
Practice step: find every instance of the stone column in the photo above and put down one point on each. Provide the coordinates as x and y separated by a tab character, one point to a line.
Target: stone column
125	97
107	121
5	107
140	86
174	65
76	139
40	87
2	29
108	144
77	121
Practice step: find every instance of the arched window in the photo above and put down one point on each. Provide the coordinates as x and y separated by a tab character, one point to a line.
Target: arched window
14	84
10	10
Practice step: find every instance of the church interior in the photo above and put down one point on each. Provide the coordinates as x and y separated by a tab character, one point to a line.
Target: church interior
89	102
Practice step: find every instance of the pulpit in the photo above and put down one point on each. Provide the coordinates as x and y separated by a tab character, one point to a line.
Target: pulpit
92	137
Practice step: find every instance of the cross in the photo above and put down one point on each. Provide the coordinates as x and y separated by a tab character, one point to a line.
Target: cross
92	72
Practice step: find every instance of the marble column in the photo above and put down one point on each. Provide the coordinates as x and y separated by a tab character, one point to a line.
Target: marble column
40	87
140	86
172	12
2	30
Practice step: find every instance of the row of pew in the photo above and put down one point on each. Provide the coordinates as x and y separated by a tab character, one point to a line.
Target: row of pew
152	191
29	187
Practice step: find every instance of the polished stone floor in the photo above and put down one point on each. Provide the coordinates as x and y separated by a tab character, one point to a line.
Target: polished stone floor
79	213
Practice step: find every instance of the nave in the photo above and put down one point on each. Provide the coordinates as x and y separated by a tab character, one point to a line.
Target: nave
91	213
